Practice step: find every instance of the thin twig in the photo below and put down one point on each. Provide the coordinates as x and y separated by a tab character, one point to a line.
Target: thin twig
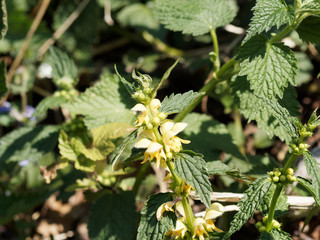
25	45
62	29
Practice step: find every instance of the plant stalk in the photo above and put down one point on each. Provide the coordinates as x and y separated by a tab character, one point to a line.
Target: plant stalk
273	205
188	212
216	64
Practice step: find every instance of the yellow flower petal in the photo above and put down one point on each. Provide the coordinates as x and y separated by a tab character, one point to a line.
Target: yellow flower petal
180	209
178	127
154	105
142	143
164	207
166	126
215	210
139	108
154	147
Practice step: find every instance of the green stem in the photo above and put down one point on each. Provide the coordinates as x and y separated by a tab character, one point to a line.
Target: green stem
216	64
140	177
175	177
206	89
273	205
282	34
188	212
277	192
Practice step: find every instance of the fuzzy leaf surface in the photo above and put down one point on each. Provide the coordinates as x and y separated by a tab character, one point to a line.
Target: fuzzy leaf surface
209	136
308	185
195	17
309	31
269	67
253	197
275	234
313	170
177	102
49	103
113	217
28	143
150	228
267	14
311	6
107	101
273	116
193	169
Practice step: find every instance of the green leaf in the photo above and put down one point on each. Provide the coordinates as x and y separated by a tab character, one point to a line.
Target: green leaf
272	116
138	15
119	150
208	135
28	143
308	185
219	168
282	206
64	71
128	85
49	103
278	234
3	83
308	30
150	228
269	67
164	78
195	17
193	169
4	20
251	200
267	14
113	217
312	7
313	170
108	101
177	102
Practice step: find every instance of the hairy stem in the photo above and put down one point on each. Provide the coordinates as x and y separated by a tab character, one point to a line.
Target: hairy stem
216	64
277	192
188	212
273	205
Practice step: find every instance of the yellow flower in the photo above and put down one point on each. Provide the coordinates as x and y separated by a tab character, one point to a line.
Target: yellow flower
164	208
199	229
179	231
169	130
143	117
153	149
154	105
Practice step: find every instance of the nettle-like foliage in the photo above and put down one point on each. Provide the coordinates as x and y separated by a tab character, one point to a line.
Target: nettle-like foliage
119	123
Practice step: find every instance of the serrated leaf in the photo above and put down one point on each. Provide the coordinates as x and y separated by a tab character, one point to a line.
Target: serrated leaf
209	136
119	150
28	143
311	7
192	168
308	185
219	168
3	83
309	31
150	228
64	71
177	102
313	170
269	67
113	217
195	17
274	118
267	14
282	206
253	197
138	15
49	103
4	20
108	101
278	234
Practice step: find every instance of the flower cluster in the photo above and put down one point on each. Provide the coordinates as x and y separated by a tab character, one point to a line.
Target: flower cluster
159	136
201	225
261	226
277	176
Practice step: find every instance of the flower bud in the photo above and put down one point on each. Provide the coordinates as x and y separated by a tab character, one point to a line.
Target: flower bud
283	178
275	179
169	155
258	224
290	171
162	115
149	126
277	173
275	224
262	229
156	121
264	219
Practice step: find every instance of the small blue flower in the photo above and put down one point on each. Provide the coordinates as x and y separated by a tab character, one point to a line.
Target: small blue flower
24	163
6	108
